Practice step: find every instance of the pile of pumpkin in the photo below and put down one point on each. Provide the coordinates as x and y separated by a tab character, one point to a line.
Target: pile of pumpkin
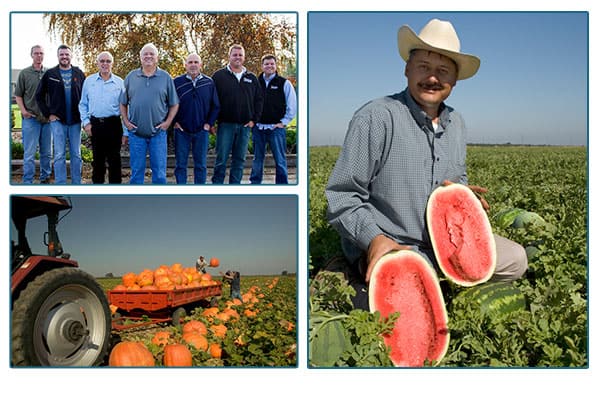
167	278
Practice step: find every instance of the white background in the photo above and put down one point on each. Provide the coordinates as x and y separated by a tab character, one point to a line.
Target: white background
301	382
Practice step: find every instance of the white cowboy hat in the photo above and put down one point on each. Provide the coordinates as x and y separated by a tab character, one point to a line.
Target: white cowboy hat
440	37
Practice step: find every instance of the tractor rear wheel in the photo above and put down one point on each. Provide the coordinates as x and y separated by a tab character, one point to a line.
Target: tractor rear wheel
61	319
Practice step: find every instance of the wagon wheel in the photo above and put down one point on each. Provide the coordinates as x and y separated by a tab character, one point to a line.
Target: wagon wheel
178	316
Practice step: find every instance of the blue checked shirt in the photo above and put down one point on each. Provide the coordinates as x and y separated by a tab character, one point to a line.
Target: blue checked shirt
100	98
391	161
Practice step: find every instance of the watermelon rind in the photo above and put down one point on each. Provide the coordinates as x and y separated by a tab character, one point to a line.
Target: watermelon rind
403	281
474	259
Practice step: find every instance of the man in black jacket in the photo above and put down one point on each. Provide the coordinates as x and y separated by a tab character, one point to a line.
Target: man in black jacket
241	102
57	96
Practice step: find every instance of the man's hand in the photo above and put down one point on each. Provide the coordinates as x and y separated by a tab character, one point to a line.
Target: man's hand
380	246
477	190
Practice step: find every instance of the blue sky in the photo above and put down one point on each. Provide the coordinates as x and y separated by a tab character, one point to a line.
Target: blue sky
120	233
531	88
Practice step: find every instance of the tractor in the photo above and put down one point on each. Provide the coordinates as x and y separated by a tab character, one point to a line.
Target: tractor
60	315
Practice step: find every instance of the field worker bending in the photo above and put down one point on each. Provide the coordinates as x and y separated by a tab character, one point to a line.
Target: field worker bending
233	279
397	150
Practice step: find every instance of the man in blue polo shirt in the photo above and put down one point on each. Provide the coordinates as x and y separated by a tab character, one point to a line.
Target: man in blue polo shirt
198	110
148	106
101	119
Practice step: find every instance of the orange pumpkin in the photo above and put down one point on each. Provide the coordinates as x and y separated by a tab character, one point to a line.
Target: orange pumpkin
177	267
130	354
219	330
176	277
250	313
210	312
177	355
145	278
195	326
120	287
161	338
195	339
214	262
215	350
206	277
163	282
129	279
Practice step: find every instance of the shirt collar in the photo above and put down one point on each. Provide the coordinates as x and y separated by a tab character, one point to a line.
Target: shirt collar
140	72
421	116
243	70
270	78
188	76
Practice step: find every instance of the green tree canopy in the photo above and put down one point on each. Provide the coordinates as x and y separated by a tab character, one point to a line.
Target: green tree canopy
176	35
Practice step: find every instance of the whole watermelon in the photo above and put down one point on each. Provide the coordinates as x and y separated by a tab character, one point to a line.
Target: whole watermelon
495	299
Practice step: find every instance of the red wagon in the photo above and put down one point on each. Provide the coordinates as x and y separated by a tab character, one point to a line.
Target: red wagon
143	307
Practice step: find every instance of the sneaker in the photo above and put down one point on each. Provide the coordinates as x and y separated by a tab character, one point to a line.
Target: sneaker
45	181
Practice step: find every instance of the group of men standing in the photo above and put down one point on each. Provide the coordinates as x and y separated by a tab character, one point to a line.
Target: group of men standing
138	110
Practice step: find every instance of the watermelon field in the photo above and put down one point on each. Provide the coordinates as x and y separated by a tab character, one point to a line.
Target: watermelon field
541	320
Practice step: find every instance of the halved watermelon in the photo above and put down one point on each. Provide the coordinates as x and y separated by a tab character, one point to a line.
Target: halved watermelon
461	235
404	281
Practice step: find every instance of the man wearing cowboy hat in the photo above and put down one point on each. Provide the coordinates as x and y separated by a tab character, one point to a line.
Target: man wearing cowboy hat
397	150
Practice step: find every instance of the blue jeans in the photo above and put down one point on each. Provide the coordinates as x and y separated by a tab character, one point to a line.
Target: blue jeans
198	142
231	138
139	147
36	133
62	133
276	140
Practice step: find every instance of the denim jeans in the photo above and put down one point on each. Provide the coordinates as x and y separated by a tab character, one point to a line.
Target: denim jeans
276	140
36	133
157	147
198	142
62	133
231	138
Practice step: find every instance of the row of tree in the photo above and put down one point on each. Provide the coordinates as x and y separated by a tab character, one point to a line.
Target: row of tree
176	35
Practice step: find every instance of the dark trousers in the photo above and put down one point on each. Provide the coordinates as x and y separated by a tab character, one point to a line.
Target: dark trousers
106	148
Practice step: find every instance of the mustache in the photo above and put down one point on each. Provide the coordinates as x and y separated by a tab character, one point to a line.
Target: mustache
431	86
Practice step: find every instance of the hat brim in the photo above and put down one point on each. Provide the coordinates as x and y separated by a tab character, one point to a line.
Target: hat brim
468	64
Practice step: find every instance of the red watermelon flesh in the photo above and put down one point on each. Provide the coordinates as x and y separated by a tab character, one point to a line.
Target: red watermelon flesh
461	235
404	281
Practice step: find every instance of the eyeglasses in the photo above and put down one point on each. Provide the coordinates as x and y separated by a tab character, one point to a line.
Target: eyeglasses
105	61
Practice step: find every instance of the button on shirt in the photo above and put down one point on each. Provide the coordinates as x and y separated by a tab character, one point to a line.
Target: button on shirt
391	161
100	98
290	104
